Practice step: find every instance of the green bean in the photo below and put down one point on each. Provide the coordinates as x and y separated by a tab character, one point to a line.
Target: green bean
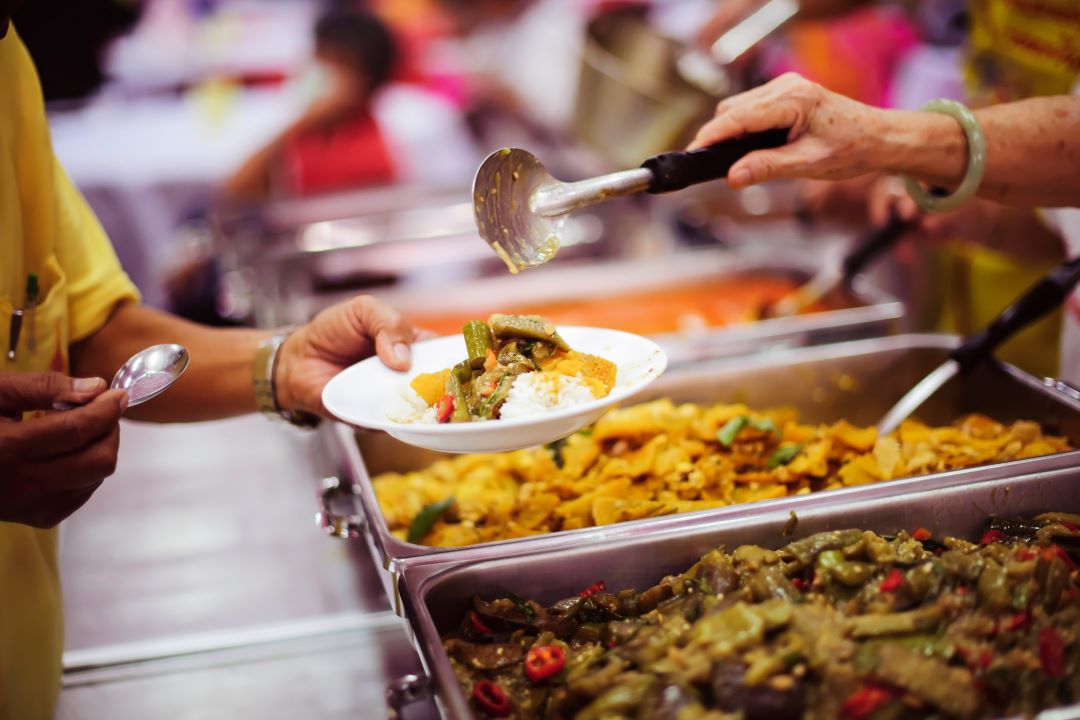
527	326
478	341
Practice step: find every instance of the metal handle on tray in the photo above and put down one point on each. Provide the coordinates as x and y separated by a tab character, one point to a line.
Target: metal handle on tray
1063	386
405	691
346	527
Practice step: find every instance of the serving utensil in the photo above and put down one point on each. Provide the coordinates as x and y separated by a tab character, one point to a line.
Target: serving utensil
707	70
1038	300
147	373
520	208
840	274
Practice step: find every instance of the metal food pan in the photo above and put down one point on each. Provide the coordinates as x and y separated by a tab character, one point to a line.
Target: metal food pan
857	381
436	597
863	312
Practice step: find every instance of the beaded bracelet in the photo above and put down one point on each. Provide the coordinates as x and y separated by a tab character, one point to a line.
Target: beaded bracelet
976	166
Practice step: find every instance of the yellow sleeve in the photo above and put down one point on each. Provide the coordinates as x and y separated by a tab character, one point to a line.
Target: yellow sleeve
96	282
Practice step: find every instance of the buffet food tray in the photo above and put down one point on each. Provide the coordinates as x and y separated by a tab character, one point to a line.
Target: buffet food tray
857	381
862	312
436	597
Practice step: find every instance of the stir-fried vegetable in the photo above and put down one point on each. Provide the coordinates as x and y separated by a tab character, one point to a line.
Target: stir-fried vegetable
843	624
499	351
428	515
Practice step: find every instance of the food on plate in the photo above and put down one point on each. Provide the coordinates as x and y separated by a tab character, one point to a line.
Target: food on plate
686	307
517	365
843	624
659	458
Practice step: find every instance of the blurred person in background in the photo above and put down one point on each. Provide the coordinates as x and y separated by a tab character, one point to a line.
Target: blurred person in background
983	254
82	321
521	60
336	143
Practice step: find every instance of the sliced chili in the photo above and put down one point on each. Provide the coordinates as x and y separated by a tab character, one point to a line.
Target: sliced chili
478	624
445	409
921	534
892	581
991	536
1024	554
1071	527
1056	551
1052	652
596	587
1019	621
544	661
491	698
866	701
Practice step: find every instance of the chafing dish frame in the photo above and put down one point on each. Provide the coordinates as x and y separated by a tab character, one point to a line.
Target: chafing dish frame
435	597
704	383
869	311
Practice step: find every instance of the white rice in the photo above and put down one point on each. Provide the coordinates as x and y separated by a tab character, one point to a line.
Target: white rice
531	394
535	393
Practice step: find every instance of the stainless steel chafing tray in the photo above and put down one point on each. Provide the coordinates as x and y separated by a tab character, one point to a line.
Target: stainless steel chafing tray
858	381
861	313
436	597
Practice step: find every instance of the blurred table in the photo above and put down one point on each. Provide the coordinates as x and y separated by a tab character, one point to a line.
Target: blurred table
196	580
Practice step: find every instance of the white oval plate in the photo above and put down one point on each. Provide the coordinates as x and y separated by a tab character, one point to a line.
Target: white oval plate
368	394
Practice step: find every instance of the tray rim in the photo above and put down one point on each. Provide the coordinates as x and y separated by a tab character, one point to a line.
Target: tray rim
395	555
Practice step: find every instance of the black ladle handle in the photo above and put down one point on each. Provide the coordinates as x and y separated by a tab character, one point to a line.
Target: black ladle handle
873	244
1038	300
677	170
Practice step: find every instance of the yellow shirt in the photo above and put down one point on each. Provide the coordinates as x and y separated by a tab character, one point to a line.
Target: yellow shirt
47	228
1016	49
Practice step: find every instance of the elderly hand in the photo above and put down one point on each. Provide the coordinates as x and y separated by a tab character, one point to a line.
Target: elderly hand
832	137
338	337
53	463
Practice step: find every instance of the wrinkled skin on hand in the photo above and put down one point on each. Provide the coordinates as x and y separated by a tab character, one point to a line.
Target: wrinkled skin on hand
53	462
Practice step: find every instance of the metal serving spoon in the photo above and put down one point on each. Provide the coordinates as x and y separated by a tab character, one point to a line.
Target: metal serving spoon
520	208
147	373
1038	300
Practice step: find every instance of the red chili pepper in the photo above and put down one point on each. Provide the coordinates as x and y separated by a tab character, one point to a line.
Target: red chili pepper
478	624
1019	621
596	587
866	701
1071	527
980	662
1056	551
544	661
445	408
1052	652
892	581
1025	554
962	589
921	534
491	698
799	584
991	536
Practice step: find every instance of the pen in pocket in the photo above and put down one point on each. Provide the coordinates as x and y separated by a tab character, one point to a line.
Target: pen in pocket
14	330
32	291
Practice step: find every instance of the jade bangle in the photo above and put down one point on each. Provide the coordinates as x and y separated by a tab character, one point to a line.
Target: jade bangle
976	166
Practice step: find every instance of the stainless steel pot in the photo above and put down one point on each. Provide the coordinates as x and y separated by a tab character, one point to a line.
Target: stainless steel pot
435	597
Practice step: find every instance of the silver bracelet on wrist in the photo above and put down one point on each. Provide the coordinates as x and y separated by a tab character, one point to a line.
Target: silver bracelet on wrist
263	380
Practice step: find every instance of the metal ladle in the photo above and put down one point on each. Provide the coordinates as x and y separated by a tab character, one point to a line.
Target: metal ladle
520	208
147	373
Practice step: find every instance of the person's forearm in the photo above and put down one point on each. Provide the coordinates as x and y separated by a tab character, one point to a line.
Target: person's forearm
1032	150
218	379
